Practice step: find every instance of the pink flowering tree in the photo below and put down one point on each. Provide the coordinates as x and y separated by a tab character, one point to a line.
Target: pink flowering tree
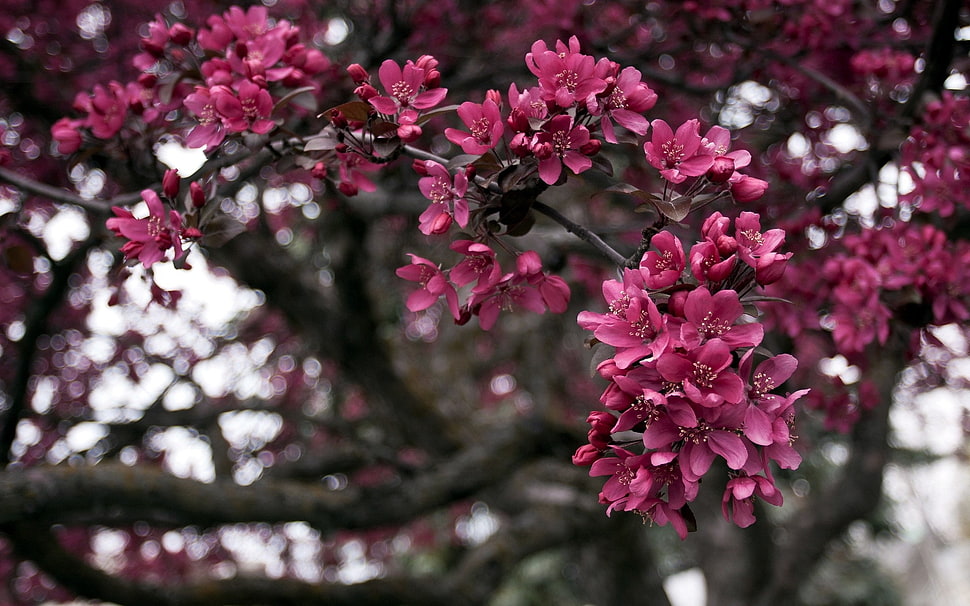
396	302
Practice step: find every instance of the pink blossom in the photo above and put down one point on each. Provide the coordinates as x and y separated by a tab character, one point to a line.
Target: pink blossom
678	155
404	87
479	266
484	120
624	100
567	76
664	267
715	317
748	189
737	504
434	283
447	198
209	132
559	144
703	373
148	238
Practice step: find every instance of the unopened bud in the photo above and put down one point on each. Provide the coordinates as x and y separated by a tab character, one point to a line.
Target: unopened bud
426	62
441	224
591	147
586	455
319	171
358	74
197	195
721	170
420	167
518	121
365	91
521	145
181	34
347	188
748	189
676	303
170	183
432	79
494	96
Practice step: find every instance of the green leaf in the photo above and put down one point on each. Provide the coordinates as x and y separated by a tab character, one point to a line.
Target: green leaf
291	97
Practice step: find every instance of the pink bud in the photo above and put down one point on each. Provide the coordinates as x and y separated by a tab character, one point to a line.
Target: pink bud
518	121
585	455
748	189
420	167
721	170
726	245
358	74
432	79
197	195
181	34
591	148
520	145
365	91
441	224
543	150
170	183
319	171
675	305
598	440
347	188
409	132
426	62
494	96
191	233
601	421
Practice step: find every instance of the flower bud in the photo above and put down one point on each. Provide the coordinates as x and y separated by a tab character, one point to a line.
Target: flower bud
494	96
197	195
543	150
432	79
676	303
347	188
319	171
601	421
420	167
409	132
520	145
170	183
518	121
598	440
591	147
426	62
721	170
441	224
358	74
748	189
181	34
587	454
365	91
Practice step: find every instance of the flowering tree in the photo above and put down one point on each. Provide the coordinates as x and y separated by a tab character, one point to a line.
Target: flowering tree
248	370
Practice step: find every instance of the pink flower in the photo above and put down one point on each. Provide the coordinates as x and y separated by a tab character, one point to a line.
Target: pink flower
558	144
714	317
405	89
664	267
249	110
433	283
479	266
209	132
151	237
678	155
67	134
703	373
748	189
624	100
737	504
447	199
567	76
484	120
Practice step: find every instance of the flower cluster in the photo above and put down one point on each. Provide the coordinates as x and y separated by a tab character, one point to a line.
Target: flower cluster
246	62
150	238
489	289
936	157
684	388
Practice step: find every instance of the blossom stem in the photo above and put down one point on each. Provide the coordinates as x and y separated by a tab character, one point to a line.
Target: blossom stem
581	232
